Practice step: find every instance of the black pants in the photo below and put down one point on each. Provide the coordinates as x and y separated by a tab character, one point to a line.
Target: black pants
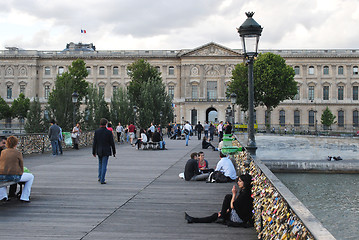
118	136
199	135
225	212
206	145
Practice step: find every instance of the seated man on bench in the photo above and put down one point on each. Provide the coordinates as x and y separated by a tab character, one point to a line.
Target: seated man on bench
157	139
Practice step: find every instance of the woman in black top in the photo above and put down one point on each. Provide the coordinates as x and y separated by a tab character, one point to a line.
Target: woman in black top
236	208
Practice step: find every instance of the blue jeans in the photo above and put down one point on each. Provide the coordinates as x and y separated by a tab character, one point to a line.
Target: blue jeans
102	167
187	138
55	147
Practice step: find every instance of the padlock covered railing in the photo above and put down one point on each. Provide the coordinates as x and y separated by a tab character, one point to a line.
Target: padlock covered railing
278	214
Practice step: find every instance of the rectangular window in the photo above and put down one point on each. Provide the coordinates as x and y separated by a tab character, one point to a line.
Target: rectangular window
171	91
355	119
311	93
326	93
282	118
211	90
47	71
296	118
195	91
355	92
297	70
311	118
115	71
47	92
341	118
88	70
340	93
9	92
171	70
22	89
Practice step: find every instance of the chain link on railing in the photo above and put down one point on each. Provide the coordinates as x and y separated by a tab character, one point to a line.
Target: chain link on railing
40	143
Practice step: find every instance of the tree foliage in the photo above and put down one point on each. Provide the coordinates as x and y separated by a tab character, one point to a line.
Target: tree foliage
20	106
121	109
148	93
5	110
328	118
35	123
60	99
273	83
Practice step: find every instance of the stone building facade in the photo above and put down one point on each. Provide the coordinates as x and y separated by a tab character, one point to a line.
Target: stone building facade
197	80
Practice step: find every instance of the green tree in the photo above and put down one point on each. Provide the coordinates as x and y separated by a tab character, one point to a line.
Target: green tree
60	99
102	110
121	110
327	118
35	123
5	110
273	83
20	107
147	91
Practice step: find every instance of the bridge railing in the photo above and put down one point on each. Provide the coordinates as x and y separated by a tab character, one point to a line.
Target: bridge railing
40	143
278	214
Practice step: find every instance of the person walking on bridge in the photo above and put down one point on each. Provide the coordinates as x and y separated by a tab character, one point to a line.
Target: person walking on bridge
102	144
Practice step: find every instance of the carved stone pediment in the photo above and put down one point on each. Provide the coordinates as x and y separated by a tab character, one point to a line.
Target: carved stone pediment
211	49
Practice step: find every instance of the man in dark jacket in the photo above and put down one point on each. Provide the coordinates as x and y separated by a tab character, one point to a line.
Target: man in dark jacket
199	129
102	144
191	170
54	132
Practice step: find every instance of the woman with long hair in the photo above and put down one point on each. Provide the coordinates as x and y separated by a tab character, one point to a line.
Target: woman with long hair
236	208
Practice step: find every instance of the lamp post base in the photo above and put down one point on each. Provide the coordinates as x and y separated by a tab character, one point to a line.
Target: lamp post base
251	150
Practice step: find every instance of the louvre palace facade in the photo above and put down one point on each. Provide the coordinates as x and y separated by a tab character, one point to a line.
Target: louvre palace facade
197	80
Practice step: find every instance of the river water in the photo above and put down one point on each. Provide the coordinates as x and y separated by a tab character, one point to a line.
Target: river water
332	198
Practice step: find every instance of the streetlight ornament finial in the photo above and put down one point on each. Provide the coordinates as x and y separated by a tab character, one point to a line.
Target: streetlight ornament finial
249	14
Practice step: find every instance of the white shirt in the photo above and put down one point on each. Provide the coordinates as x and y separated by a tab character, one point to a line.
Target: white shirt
225	165
119	129
144	137
188	127
152	128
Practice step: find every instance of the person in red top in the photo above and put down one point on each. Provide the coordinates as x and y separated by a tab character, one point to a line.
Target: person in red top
131	131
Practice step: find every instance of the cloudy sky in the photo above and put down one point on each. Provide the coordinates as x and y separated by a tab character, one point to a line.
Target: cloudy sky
177	24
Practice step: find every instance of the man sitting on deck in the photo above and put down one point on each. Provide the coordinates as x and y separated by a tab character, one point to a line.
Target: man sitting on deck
191	170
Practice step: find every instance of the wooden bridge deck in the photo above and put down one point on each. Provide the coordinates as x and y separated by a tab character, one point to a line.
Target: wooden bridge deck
143	198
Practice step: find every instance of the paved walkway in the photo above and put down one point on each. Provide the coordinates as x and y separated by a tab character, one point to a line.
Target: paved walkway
143	198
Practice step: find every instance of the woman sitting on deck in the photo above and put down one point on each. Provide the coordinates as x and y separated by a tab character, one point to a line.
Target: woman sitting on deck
236	208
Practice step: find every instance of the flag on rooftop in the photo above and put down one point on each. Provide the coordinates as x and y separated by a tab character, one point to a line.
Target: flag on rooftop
83	31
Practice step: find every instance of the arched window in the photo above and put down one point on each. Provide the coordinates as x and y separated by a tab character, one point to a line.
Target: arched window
88	70
115	70
355	70
340	70
61	70
171	70
102	71
311	70
297	70
47	92
325	70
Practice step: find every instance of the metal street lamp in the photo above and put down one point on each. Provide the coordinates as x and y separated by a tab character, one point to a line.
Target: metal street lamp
250	32
228	112
75	97
233	101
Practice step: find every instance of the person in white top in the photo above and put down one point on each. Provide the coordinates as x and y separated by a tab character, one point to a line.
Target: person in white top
119	130
220	131
225	165
142	139
187	129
